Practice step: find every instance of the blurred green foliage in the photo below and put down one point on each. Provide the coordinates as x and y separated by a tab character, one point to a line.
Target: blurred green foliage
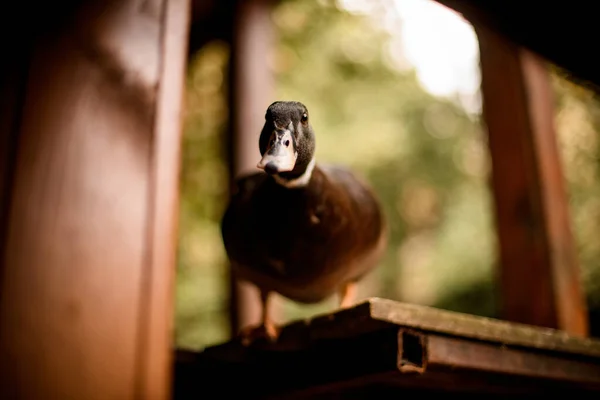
425	157
201	272
578	124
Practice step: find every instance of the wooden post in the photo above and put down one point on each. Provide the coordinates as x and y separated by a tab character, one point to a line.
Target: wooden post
539	268
251	88
88	261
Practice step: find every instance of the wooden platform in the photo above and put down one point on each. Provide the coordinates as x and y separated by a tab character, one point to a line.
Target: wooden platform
381	348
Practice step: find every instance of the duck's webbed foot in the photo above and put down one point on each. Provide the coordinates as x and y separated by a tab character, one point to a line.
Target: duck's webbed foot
348	294
267	329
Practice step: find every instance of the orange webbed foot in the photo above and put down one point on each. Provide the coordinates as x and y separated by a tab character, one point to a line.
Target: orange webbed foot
267	329
348	295
251	333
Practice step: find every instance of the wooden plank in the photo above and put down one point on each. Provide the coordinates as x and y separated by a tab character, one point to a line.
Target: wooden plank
259	373
539	270
157	305
376	314
251	88
401	348
445	365
481	328
13	84
83	311
447	352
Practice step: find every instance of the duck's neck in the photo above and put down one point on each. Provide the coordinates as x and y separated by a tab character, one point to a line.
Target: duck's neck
299	181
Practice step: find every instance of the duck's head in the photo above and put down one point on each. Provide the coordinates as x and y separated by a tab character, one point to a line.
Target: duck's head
287	143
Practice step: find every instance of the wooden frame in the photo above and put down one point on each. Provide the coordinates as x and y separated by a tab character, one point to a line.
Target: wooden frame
89	158
92	198
539	269
382	348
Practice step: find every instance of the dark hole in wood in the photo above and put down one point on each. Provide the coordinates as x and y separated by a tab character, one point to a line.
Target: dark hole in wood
412	354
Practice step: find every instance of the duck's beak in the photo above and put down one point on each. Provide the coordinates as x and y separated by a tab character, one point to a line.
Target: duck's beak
280	155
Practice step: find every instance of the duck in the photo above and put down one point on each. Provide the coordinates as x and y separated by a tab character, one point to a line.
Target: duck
304	230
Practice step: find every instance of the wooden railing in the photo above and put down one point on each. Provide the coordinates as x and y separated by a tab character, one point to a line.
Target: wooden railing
384	348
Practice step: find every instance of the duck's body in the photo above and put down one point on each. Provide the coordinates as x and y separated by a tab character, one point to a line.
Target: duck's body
305	243
303	230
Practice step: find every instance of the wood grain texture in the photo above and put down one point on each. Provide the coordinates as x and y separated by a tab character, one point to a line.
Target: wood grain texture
380	343
156	332
539	270
84	310
376	314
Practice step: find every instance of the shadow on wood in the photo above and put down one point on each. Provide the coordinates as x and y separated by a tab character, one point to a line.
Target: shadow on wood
388	348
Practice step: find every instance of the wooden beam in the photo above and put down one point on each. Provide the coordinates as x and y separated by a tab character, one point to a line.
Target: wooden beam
576	19
405	348
157	304
86	287
13	84
539	267
251	88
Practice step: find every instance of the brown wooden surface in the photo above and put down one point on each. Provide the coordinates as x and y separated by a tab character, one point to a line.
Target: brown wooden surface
480	328
157	304
399	348
13	77
89	247
251	90
539	270
376	314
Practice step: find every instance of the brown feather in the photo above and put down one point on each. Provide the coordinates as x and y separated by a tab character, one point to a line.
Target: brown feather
304	243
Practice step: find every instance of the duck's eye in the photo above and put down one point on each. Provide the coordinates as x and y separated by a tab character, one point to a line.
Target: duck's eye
304	118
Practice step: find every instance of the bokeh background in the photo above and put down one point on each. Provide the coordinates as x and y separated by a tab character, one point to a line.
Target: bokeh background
393	91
